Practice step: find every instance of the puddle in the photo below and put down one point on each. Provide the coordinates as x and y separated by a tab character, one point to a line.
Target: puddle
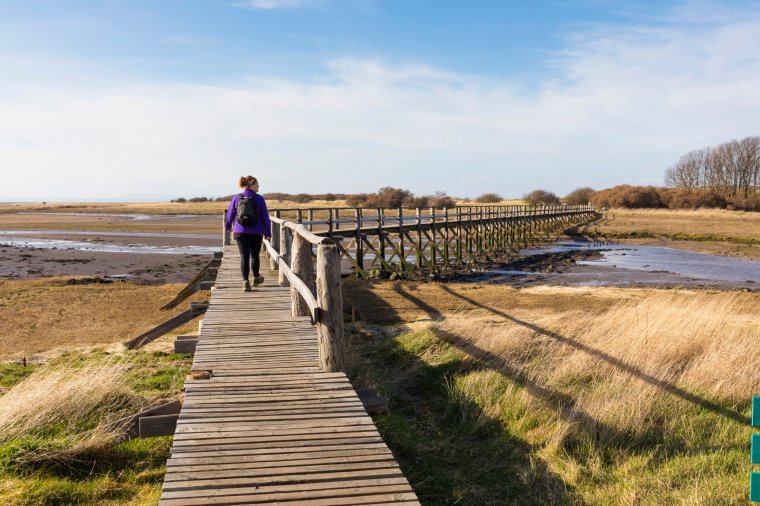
62	244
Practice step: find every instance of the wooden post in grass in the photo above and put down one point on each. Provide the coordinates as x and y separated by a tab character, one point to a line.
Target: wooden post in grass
330	302
303	268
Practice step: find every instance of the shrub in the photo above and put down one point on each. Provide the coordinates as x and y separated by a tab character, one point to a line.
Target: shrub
443	201
680	198
579	196
302	198
389	197
489	198
629	197
180	200
199	199
357	199
541	197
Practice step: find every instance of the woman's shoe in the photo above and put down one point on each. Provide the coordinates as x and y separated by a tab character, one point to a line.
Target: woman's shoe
257	280
247	286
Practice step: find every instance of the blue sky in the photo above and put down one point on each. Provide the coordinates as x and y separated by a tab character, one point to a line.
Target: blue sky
154	99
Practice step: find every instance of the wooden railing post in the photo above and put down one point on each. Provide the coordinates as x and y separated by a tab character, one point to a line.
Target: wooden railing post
286	246
225	234
302	267
330	302
358	240
275	244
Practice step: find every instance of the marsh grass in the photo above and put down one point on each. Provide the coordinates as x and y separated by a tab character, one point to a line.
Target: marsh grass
616	397
61	441
690	224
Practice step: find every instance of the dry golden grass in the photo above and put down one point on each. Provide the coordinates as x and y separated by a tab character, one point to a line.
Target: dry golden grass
117	207
669	221
210	208
642	349
67	409
44	314
629	396
628	341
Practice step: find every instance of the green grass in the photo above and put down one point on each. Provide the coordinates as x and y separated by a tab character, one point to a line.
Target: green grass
127	473
13	372
467	433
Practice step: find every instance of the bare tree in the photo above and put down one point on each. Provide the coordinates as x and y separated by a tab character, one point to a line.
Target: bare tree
730	168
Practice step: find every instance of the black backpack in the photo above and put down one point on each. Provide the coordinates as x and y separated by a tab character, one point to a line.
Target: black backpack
247	214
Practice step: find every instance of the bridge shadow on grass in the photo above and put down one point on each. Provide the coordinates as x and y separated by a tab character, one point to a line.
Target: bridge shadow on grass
450	450
612	360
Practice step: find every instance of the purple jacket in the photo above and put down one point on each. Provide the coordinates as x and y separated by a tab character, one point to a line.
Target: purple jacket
263	227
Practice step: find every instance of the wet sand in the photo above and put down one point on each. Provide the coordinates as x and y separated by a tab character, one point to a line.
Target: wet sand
98	231
141	268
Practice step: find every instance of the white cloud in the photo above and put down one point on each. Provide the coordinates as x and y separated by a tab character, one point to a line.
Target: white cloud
624	104
272	4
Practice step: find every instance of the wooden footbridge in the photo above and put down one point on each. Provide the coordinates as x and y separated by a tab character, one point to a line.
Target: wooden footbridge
269	415
401	241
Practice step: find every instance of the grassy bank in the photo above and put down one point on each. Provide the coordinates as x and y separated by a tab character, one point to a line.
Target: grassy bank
560	395
55	443
734	233
58	441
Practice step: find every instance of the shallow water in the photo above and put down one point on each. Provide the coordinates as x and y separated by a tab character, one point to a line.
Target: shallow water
117	215
62	244
688	265
109	234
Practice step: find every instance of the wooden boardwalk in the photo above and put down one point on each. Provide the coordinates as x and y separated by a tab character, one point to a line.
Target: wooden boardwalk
269	426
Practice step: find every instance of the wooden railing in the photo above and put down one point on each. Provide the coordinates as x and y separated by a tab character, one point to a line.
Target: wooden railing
315	292
402	241
451	234
338	220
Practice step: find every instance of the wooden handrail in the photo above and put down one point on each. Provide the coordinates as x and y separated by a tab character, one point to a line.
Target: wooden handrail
302	230
295	281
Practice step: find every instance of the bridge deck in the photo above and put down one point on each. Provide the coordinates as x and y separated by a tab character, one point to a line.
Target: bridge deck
270	426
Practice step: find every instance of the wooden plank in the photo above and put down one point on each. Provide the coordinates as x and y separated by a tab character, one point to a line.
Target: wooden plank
270	426
159	425
160	330
130	424
185	345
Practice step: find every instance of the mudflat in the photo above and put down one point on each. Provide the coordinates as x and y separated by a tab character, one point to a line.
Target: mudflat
140	247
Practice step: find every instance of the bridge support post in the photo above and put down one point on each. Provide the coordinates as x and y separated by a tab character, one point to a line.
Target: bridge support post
330	301
358	241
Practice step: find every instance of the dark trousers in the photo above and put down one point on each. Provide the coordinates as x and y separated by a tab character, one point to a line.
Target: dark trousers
249	246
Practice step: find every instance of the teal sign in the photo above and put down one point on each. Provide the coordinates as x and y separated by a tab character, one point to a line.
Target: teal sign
754	478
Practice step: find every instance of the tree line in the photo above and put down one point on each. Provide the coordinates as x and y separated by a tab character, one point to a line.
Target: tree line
731	168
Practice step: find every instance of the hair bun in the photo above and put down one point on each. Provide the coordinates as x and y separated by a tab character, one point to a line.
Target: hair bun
246	181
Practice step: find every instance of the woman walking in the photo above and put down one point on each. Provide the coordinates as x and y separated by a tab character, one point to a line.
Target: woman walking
248	219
